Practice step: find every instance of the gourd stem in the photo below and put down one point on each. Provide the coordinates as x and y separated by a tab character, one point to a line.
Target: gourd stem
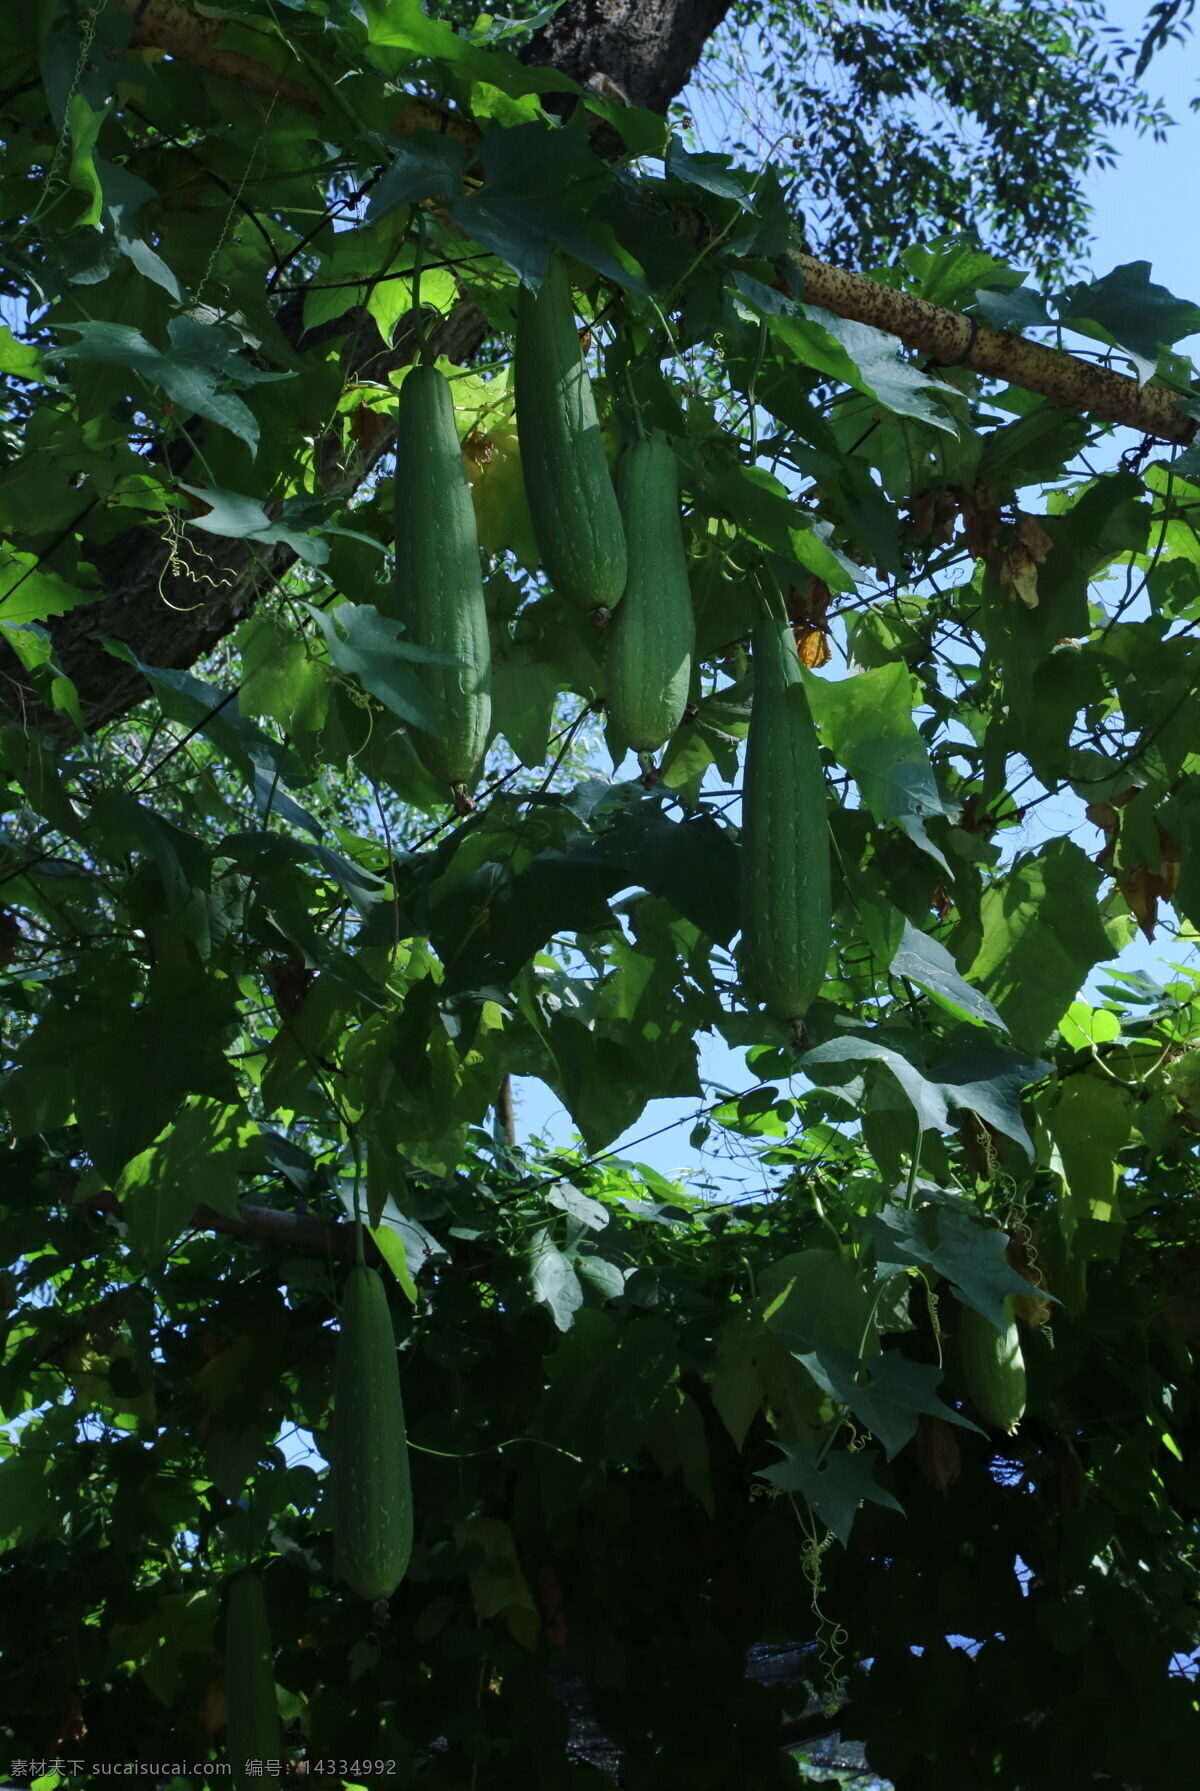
359	1249
418	322
774	603
633	399
751	398
913	1166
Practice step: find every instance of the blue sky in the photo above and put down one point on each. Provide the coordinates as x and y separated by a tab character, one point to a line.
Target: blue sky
1140	212
1141	208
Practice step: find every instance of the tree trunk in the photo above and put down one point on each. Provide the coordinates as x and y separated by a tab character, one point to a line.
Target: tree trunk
644	49
172	604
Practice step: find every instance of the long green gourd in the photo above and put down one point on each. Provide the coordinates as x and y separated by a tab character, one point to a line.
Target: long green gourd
438	580
786	903
371	1488
576	518
993	1366
252	1714
653	634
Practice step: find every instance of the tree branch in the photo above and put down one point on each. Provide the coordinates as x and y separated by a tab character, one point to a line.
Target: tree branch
289	1231
797	1730
955	340
302	1232
175	28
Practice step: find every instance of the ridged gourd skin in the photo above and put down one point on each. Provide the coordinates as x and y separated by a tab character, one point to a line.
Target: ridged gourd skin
371	1487
252	1714
993	1367
438	579
574	509
786	902
653	634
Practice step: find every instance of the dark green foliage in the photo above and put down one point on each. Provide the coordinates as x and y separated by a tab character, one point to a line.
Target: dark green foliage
258	975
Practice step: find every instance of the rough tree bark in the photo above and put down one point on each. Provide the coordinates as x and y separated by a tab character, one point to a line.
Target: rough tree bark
172	605
646	49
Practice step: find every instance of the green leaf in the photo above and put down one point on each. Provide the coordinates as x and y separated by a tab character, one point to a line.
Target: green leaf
982	1079
191	374
244	519
193	1163
835	1489
852	353
1091	1123
21	359
604	1084
524	695
365	645
418	1246
1041	935
693	864
1033	447
489	925
647	1362
494	1572
888	1393
1133	311
283	680
404	25
590	1213
954	1243
678	1444
814	1298
1181	815
25	1510
949	270
1085	1027
737	1385
606	1277
266	765
1020	309
31	593
868	724
765	511
84	126
391	1247
124	196
716	174
922	960
542	186
170	1642
424	166
554	1281
131	1066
